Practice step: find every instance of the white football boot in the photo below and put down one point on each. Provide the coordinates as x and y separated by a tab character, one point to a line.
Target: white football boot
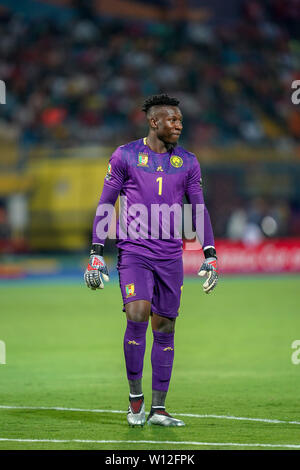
136	412
160	417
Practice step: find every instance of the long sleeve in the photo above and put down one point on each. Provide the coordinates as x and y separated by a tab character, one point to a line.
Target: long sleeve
194	194
113	183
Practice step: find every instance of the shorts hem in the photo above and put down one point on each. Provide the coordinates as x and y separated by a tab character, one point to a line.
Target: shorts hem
153	309
133	300
164	314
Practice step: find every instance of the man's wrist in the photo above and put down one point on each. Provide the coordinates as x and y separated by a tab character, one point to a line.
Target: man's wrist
97	249
210	252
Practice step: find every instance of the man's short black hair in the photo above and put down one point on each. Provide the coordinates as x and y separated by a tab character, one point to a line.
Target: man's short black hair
159	100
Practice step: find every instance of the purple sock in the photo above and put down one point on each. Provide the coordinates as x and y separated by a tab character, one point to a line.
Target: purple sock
162	358
134	348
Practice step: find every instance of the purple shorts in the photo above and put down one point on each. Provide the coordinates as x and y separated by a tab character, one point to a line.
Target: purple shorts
158	281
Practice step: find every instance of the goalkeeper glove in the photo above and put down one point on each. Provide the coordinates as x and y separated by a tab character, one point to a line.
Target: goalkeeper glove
209	269
96	270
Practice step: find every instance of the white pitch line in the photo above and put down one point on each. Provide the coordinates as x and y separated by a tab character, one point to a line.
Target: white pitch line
59	408
188	415
195	443
239	418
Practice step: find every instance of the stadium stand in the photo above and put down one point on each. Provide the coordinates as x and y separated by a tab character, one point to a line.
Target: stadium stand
83	79
76	74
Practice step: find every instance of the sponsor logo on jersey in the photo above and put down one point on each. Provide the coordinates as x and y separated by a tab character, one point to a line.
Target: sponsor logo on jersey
176	161
143	159
159	168
129	289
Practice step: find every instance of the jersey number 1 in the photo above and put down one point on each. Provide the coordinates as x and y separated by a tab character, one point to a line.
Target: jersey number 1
159	179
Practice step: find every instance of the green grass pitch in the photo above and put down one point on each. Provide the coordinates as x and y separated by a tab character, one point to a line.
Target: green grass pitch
233	349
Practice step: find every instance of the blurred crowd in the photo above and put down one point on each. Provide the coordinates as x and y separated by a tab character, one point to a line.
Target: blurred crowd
261	219
84	80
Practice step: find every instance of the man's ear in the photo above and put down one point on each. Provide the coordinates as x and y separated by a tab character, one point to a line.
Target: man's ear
153	123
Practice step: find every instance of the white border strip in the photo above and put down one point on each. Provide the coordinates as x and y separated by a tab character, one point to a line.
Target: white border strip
195	443
188	415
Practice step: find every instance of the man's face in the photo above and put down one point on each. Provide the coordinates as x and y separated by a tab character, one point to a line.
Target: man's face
167	121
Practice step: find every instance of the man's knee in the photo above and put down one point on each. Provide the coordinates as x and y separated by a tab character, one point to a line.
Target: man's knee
138	310
163	324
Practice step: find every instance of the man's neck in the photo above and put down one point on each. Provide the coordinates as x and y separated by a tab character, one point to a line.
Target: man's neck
156	144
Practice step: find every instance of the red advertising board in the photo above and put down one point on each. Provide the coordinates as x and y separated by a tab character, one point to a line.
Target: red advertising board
270	256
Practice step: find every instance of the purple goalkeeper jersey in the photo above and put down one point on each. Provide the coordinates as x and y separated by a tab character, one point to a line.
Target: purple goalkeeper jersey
147	182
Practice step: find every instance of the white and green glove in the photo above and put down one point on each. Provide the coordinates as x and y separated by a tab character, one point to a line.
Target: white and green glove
210	270
96	270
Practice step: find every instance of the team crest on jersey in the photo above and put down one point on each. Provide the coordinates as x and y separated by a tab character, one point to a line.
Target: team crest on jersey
143	159
176	161
129	289
108	174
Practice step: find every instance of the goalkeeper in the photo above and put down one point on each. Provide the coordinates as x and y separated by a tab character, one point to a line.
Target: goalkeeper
148	171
